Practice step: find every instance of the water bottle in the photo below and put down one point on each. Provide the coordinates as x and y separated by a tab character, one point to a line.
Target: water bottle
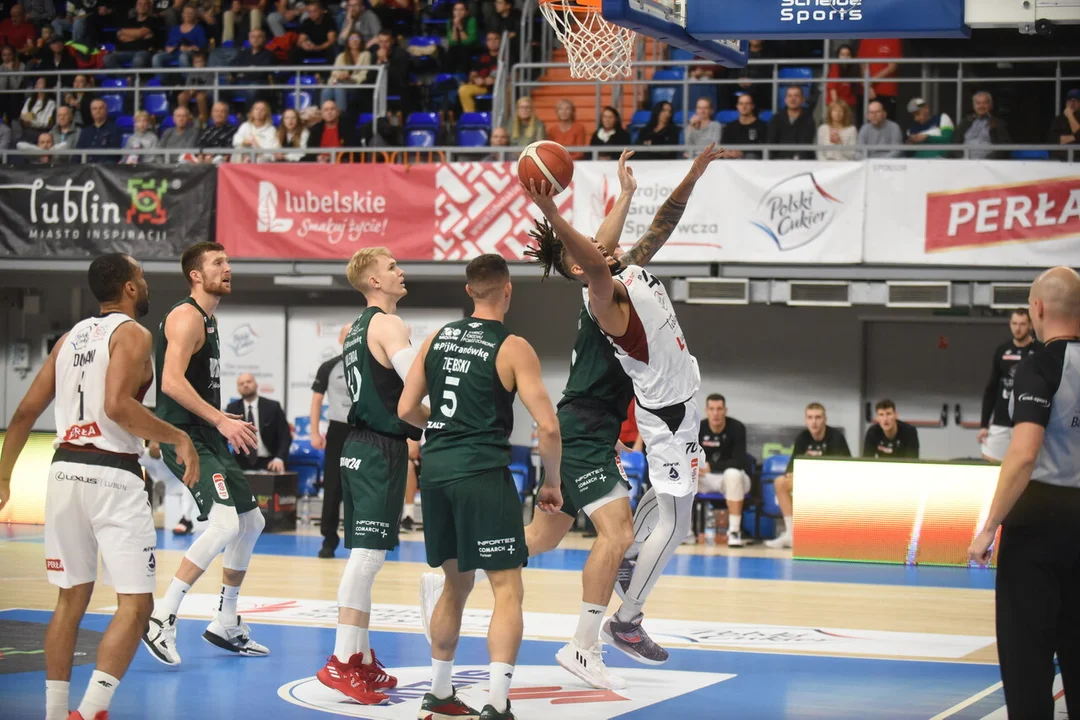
710	526
303	508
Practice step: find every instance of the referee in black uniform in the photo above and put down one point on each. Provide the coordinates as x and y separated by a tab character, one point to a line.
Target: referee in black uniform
330	381
1037	504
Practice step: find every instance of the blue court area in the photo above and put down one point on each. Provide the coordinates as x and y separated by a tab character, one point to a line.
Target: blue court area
693	684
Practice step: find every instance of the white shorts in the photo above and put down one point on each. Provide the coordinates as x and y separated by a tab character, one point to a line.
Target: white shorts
96	501
997	442
717	483
671	444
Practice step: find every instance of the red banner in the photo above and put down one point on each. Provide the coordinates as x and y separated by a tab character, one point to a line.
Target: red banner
452	211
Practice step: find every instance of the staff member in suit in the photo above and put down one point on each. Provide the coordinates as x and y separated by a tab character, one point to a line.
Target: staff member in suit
330	383
1037	505
269	420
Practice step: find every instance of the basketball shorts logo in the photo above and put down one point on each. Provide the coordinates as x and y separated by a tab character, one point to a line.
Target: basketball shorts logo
53	565
219	486
694	468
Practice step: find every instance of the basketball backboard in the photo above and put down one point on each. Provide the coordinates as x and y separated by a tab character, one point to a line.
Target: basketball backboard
666	20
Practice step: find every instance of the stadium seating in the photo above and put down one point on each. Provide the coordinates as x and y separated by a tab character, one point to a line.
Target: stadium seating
422	129
474	129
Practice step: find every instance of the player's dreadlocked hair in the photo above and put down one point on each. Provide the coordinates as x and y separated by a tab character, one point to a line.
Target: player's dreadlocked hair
549	250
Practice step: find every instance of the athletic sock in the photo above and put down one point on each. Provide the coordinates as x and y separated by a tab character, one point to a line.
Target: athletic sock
56	699
363	643
409	511
226	614
441	672
590	618
499	692
345	642
170	604
734	523
789	525
98	694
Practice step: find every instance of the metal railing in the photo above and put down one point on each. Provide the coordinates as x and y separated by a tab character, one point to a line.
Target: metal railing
501	86
1067	153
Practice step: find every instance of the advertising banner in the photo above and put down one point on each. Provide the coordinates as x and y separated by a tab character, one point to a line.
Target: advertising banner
775	212
947	212
252	341
147	211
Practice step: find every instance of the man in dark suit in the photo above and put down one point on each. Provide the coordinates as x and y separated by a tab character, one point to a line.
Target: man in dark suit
269	420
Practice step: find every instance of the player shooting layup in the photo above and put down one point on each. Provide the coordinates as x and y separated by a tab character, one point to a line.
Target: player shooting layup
98	373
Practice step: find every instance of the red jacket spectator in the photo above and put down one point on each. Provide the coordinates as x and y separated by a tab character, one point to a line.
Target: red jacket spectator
883	89
17	32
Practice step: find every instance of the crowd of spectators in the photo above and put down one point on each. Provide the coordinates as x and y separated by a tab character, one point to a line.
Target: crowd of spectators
240	43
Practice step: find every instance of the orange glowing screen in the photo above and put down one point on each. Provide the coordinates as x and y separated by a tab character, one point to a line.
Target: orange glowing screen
29	481
911	513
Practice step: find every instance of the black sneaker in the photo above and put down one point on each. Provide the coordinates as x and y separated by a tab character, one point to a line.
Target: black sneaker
407	524
632	640
451	708
326	552
184	527
490	713
622	578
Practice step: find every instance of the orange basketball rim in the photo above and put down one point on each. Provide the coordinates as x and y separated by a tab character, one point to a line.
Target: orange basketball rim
596	48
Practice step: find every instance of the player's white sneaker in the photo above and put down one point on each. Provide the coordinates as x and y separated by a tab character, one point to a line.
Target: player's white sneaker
588	665
431	587
235	639
160	638
781	541
735	539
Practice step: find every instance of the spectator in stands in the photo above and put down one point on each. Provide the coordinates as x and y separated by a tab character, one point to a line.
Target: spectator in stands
43	146
5	135
525	128
506	19
257	133
756	79
79	100
56	58
310	117
702	130
723	440
271	427
195	80
37	113
218	135
353	54
660	130
184	39
41	46
239	20
838	131
358	19
65	133
481	73
880	130
19	33
928	129
40	12
1066	127
144	138
182	136
330	132
286	13
610	133
292	135
981	128
462	38
255	56
498	142
394	12
389	53
747	130
566	130
11	78
317	38
100	134
890	438
846	85
136	39
73	21
792	126
701	85
884	89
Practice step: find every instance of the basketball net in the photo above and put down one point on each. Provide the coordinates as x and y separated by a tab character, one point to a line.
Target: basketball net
597	49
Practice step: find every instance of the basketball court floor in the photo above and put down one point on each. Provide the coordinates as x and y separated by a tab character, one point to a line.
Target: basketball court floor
752	634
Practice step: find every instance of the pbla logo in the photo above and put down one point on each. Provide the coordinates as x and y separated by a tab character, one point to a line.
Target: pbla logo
147	204
794	212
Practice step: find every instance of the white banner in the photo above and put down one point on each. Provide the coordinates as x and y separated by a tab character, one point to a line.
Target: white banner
769	212
313	339
252	341
952	212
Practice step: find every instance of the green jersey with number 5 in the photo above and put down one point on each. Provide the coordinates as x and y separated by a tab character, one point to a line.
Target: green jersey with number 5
472	414
374	389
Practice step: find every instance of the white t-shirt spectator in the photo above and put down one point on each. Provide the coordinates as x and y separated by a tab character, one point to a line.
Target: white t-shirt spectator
42	110
847	138
264	137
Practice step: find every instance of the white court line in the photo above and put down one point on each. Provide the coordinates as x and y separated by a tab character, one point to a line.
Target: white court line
967	703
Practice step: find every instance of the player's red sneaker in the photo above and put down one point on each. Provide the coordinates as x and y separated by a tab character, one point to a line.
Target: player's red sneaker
340	676
375	671
102	715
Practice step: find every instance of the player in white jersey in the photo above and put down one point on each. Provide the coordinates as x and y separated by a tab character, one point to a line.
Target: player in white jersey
633	310
98	373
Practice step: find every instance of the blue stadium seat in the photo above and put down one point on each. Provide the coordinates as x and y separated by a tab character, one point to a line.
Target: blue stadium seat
276	119
156	103
309	80
679	117
113	103
774	466
765	115
669	93
166	123
153	82
364	119
126	123
298	101
639	120
680	54
422	129
114	82
236	119
727	116
636	469
474	129
124	139
1030	154
521	469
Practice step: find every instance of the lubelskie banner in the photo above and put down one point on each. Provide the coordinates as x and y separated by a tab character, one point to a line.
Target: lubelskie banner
147	211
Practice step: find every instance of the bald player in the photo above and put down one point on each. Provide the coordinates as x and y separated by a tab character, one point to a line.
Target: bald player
1037	505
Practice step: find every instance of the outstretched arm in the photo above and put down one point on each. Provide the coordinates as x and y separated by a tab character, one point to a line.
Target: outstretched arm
611	228
671	212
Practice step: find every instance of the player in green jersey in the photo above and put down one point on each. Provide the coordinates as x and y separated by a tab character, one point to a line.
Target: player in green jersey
189	396
472	369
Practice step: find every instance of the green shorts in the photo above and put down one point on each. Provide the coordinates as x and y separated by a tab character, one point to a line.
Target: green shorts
374	469
476	520
590	465
221	480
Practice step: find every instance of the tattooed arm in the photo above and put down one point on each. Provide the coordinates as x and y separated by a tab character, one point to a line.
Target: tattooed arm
671	212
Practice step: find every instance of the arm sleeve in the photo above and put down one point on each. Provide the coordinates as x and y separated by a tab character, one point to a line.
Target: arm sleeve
1033	389
322	376
990	393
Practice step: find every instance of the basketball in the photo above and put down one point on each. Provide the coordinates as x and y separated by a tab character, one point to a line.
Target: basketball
546	160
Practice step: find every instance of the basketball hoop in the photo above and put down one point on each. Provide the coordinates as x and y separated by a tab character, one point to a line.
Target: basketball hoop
597	49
